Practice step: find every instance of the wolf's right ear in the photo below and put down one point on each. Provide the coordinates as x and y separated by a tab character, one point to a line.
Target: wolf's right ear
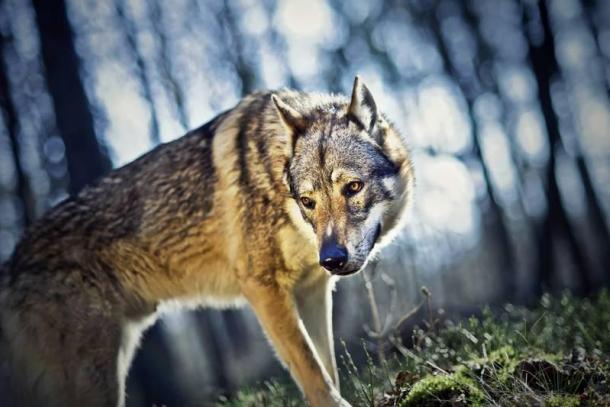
292	119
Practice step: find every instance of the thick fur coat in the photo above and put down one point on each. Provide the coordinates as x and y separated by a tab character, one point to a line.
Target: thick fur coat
266	204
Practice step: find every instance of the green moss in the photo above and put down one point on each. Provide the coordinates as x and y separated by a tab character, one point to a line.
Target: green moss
272	394
514	356
563	400
504	358
498	366
503	355
454	388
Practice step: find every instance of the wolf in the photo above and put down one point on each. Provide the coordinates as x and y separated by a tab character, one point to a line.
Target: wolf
267	204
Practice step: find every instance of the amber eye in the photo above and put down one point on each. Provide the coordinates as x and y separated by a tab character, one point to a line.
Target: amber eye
353	187
308	202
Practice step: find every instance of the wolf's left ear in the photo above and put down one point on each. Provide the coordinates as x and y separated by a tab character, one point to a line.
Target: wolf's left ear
362	108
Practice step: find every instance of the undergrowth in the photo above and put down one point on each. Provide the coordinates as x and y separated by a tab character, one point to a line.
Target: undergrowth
557	354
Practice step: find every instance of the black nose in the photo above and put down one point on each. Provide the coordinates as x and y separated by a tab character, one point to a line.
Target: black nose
333	256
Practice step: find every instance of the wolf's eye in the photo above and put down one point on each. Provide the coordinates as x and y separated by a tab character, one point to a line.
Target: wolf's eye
353	187
308	202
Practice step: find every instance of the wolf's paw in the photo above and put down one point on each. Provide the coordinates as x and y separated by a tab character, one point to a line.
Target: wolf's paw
339	401
344	403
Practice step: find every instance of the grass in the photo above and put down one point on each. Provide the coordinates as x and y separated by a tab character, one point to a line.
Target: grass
557	354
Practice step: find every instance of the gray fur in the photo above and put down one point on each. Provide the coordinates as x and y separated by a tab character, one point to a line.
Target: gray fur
213	218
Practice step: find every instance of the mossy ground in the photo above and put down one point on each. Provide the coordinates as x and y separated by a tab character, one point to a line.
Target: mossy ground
557	354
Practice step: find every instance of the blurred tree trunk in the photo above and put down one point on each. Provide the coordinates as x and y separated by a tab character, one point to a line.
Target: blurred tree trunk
165	63
213	332
11	121
486	55
556	223
234	40
148	377
87	159
594	208
597	24
496	222
596	215
130	33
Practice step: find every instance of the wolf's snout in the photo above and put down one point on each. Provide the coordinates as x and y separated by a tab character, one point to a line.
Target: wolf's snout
333	256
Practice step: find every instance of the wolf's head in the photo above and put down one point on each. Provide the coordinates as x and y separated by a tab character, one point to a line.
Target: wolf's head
349	173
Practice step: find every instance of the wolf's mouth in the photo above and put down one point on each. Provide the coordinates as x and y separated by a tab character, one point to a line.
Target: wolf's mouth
346	272
367	238
357	269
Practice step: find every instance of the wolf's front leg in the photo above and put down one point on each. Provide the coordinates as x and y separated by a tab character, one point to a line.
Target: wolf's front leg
314	300
276	310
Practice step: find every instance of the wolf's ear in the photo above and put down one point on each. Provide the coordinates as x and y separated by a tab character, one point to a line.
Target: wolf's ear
293	121
291	118
362	108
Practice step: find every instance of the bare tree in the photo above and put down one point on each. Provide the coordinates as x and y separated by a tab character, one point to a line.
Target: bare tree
495	216
11	121
141	71
167	74
87	159
556	224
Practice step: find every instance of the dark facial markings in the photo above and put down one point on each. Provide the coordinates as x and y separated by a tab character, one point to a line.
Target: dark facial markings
340	144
